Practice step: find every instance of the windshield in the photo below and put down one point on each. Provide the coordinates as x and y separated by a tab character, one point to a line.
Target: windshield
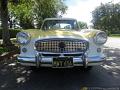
60	24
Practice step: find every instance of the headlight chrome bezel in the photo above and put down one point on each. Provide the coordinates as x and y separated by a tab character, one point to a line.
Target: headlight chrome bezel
97	36
24	35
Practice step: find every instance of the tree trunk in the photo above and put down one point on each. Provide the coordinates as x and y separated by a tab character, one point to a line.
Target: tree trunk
4	19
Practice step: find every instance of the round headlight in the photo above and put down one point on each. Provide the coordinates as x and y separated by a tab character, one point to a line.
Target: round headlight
23	38
100	38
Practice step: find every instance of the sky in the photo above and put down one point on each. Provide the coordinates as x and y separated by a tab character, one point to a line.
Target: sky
82	9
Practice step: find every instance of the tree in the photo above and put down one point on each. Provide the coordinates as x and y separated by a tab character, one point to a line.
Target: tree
23	13
106	17
4	20
48	9
82	25
26	11
29	12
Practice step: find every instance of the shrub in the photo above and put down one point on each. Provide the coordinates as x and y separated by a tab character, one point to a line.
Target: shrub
13	33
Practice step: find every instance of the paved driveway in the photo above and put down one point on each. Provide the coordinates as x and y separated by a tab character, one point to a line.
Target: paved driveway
113	42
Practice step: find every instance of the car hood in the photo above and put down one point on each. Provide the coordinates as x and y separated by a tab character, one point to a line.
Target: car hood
61	33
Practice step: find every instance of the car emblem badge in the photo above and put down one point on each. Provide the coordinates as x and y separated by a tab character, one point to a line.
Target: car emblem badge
61	45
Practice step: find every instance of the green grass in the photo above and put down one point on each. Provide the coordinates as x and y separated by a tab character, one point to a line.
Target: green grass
115	35
2	50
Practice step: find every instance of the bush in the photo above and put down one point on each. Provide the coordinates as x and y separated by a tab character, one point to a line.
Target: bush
13	33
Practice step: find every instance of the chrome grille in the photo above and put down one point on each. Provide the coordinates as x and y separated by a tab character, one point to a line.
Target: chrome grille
52	45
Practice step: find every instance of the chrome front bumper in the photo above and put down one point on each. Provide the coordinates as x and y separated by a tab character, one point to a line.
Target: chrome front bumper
47	61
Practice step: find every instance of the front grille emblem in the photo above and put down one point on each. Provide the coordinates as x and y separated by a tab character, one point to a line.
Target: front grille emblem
62	45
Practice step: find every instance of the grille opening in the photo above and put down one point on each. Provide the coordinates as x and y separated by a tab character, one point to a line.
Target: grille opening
53	46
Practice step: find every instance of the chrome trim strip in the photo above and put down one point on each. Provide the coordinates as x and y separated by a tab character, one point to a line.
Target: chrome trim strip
27	59
61	53
61	38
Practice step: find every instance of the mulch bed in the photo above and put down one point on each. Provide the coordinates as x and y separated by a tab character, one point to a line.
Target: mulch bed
8	55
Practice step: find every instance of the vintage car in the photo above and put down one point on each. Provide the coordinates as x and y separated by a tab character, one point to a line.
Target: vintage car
60	43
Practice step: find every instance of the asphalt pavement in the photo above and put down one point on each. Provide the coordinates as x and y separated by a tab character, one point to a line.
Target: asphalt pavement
113	42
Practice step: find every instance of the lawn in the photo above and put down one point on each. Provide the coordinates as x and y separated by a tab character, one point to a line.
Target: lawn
2	50
115	35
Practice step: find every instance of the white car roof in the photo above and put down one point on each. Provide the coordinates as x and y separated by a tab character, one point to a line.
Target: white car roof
59	19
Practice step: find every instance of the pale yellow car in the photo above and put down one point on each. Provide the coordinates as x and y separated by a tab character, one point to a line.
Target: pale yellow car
60	43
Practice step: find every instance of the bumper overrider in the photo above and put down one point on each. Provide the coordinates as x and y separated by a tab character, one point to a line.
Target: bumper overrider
40	61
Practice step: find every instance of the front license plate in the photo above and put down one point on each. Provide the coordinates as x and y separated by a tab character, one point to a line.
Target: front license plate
63	62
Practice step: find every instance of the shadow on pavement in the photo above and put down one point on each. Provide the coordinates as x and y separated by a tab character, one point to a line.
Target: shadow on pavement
13	77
